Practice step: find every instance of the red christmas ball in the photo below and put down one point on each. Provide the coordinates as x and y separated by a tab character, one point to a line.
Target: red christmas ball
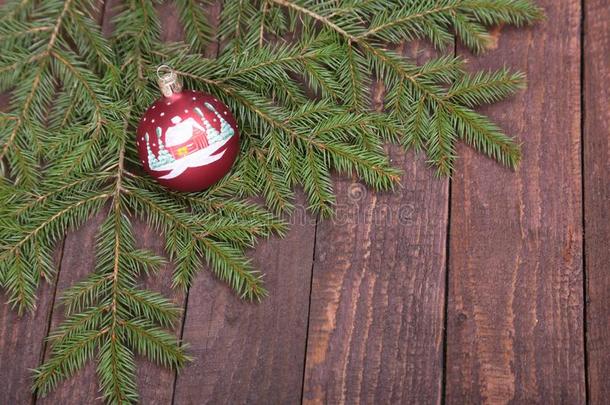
187	140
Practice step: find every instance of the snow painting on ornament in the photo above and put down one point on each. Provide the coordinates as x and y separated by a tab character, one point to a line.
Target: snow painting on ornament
187	141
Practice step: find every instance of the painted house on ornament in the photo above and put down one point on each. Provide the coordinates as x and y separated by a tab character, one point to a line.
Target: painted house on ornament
185	137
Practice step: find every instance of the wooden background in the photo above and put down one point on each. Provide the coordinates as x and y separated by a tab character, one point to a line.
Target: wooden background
491	287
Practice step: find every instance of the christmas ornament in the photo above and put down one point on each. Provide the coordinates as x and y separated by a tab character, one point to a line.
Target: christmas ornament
187	140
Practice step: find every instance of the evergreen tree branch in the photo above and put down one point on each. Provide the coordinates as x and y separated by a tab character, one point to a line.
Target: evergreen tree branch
410	17
195	24
303	110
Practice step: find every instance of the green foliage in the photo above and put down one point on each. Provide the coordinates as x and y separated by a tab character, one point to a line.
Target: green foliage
296	74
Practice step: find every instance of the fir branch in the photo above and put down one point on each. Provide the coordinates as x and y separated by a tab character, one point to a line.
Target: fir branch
67	149
485	87
67	358
24	110
196	26
411	15
318	17
154	343
228	263
151	306
77	324
84	294
56	217
387	65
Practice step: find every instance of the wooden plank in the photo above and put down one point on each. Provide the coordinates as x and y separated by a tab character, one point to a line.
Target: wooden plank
21	339
515	308
155	383
77	263
597	195
248	352
376	322
377	305
22	343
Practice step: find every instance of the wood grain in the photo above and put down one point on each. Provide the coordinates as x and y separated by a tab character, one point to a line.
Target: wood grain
515	310
22	345
252	353
376	321
22	342
597	195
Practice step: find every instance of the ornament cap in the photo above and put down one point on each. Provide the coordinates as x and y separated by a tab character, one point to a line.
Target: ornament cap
168	81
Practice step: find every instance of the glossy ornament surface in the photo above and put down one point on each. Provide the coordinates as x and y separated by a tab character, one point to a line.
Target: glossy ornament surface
187	140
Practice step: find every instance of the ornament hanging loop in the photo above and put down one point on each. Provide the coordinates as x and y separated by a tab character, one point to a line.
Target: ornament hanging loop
168	81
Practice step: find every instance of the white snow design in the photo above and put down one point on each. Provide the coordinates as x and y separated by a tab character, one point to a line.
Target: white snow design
180	133
202	157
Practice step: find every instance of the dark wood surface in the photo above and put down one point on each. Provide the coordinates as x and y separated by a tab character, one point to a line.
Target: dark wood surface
515	309
596	180
378	290
492	287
